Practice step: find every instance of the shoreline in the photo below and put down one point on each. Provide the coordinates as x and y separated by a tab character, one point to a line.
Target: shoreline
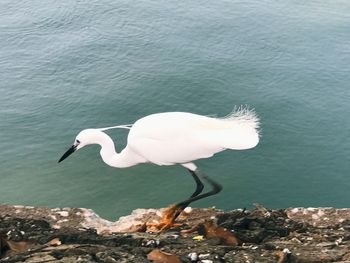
39	234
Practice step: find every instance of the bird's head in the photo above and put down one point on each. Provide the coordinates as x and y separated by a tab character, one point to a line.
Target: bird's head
85	137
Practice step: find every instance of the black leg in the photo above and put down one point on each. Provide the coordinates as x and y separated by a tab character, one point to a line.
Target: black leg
199	184
216	188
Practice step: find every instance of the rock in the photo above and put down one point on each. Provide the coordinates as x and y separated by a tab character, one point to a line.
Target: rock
303	235
320	217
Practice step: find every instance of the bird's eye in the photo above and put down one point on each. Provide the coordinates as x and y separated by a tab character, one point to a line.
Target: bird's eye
77	141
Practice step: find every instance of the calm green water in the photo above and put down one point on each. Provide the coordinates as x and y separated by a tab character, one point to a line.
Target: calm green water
69	65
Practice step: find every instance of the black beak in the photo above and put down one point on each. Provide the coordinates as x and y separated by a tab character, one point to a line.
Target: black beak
67	153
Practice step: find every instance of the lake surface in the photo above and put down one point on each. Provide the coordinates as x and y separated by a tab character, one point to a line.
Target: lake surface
70	65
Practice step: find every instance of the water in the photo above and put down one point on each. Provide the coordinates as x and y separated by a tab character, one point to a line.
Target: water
69	65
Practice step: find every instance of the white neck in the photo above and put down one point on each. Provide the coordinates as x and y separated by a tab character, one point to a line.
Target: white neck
125	158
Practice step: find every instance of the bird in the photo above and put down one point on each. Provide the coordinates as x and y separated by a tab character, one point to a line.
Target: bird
176	138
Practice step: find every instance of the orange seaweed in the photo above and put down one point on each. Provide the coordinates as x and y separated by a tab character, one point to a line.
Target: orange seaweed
211	230
158	256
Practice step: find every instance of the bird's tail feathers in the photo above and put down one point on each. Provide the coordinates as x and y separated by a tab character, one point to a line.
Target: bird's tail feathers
244	129
244	115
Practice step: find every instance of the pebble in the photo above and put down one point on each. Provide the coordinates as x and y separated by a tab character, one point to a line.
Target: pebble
152	242
338	241
286	251
193	256
188	210
62	221
62	213
203	255
267	214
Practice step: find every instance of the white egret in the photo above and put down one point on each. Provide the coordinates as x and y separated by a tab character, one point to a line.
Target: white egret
176	138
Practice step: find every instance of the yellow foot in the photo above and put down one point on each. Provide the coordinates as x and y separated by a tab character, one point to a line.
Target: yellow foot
167	221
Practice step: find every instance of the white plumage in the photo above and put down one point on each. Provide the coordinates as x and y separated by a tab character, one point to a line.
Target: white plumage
176	138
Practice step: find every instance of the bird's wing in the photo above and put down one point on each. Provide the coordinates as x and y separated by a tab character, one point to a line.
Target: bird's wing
177	137
171	138
171	152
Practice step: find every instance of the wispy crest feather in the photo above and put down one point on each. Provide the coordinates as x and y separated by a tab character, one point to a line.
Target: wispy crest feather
125	126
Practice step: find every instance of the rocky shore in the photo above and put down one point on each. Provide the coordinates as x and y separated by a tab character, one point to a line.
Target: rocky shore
305	235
